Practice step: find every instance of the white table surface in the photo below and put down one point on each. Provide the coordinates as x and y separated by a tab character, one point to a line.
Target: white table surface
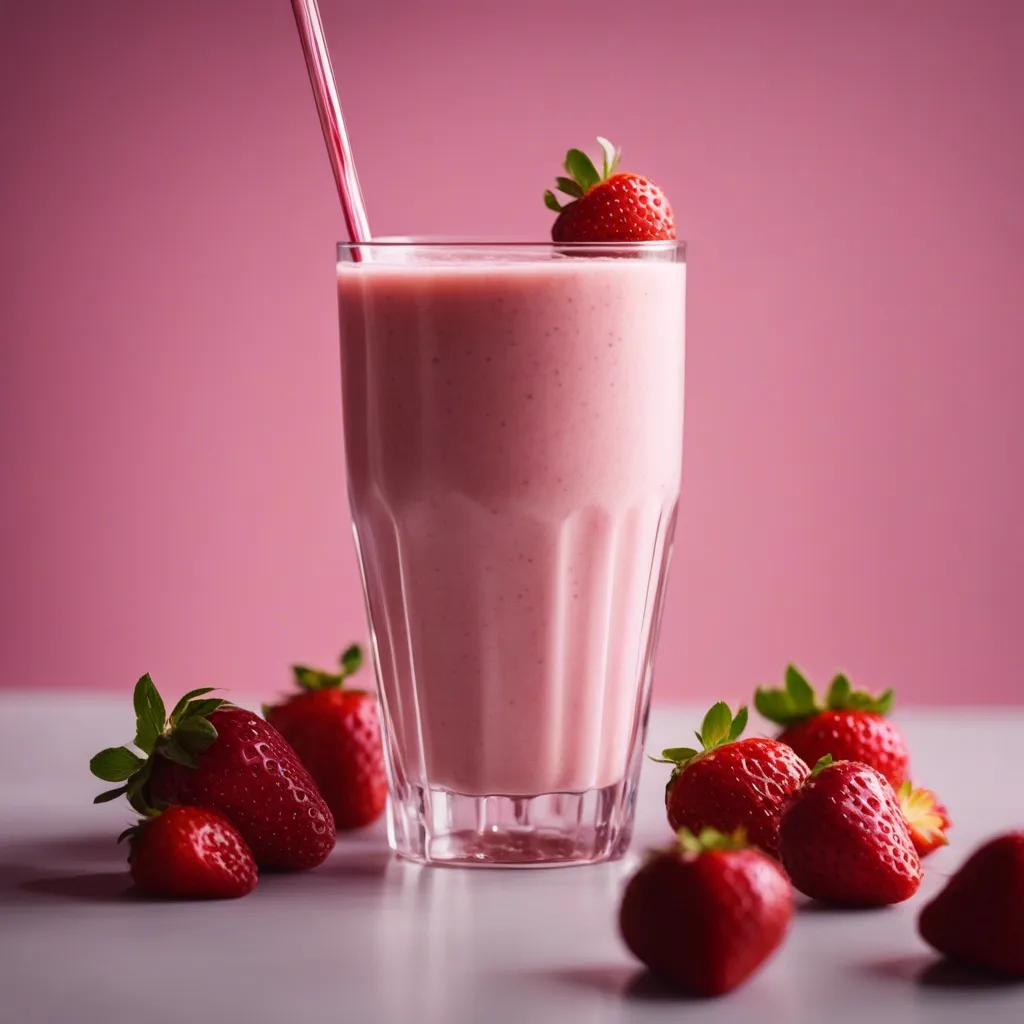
365	938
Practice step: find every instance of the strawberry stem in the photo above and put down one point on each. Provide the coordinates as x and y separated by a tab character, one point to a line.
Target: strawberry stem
583	175
797	701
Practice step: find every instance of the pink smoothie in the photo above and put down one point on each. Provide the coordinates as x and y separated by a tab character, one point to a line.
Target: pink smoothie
513	436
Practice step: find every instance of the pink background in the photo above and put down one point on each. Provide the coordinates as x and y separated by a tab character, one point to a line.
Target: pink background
850	177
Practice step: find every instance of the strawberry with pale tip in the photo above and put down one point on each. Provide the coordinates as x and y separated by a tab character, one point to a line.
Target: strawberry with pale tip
706	913
608	205
927	819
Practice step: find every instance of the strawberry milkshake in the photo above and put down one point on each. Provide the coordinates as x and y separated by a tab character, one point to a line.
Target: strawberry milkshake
513	431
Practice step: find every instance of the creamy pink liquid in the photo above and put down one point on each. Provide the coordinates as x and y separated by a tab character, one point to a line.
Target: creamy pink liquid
513	435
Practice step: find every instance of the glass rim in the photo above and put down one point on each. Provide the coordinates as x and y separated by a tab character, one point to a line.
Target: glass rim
461	242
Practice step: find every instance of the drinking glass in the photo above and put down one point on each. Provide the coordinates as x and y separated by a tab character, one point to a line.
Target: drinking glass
513	433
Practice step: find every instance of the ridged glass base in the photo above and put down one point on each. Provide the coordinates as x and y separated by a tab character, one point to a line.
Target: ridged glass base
543	831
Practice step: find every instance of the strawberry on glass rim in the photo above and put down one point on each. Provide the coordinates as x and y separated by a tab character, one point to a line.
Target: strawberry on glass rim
608	205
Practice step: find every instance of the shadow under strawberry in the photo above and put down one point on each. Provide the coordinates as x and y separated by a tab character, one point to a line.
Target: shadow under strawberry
93	887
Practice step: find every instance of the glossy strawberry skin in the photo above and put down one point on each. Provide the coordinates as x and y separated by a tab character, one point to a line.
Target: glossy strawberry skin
743	784
623	208
336	733
978	918
852	736
253	777
191	853
706	923
843	839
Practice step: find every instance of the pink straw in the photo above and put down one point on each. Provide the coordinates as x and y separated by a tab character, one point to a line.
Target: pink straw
321	78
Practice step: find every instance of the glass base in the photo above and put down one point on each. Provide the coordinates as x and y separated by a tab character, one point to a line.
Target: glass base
435	826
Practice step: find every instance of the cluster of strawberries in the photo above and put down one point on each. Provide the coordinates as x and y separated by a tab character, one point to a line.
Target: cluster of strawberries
223	793
827	809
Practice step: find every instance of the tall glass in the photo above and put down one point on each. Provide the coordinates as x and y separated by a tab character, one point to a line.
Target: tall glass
513	434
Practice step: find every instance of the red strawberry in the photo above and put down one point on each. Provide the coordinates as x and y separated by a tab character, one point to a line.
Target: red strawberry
978	918
844	840
706	913
850	727
212	754
190	853
927	819
336	732
610	206
731	783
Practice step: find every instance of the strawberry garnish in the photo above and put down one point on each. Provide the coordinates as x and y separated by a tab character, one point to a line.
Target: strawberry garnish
978	918
610	205
706	913
849	726
927	819
190	853
335	729
210	753
843	838
731	783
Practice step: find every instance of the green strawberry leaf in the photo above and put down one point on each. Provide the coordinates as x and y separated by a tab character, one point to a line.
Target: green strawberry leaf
110	794
709	839
137	789
179	708
714	730
351	660
131	831
842	697
820	765
795	702
551	202
676	755
315	679
202	708
569	187
150	714
175	751
115	764
739	723
775	705
580	167
800	692
146	737
838	693
194	735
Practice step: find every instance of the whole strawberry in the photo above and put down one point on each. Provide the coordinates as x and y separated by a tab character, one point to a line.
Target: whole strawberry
212	754
706	913
190	853
978	918
731	783
611	206
843	838
927	819
336	732
850	726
